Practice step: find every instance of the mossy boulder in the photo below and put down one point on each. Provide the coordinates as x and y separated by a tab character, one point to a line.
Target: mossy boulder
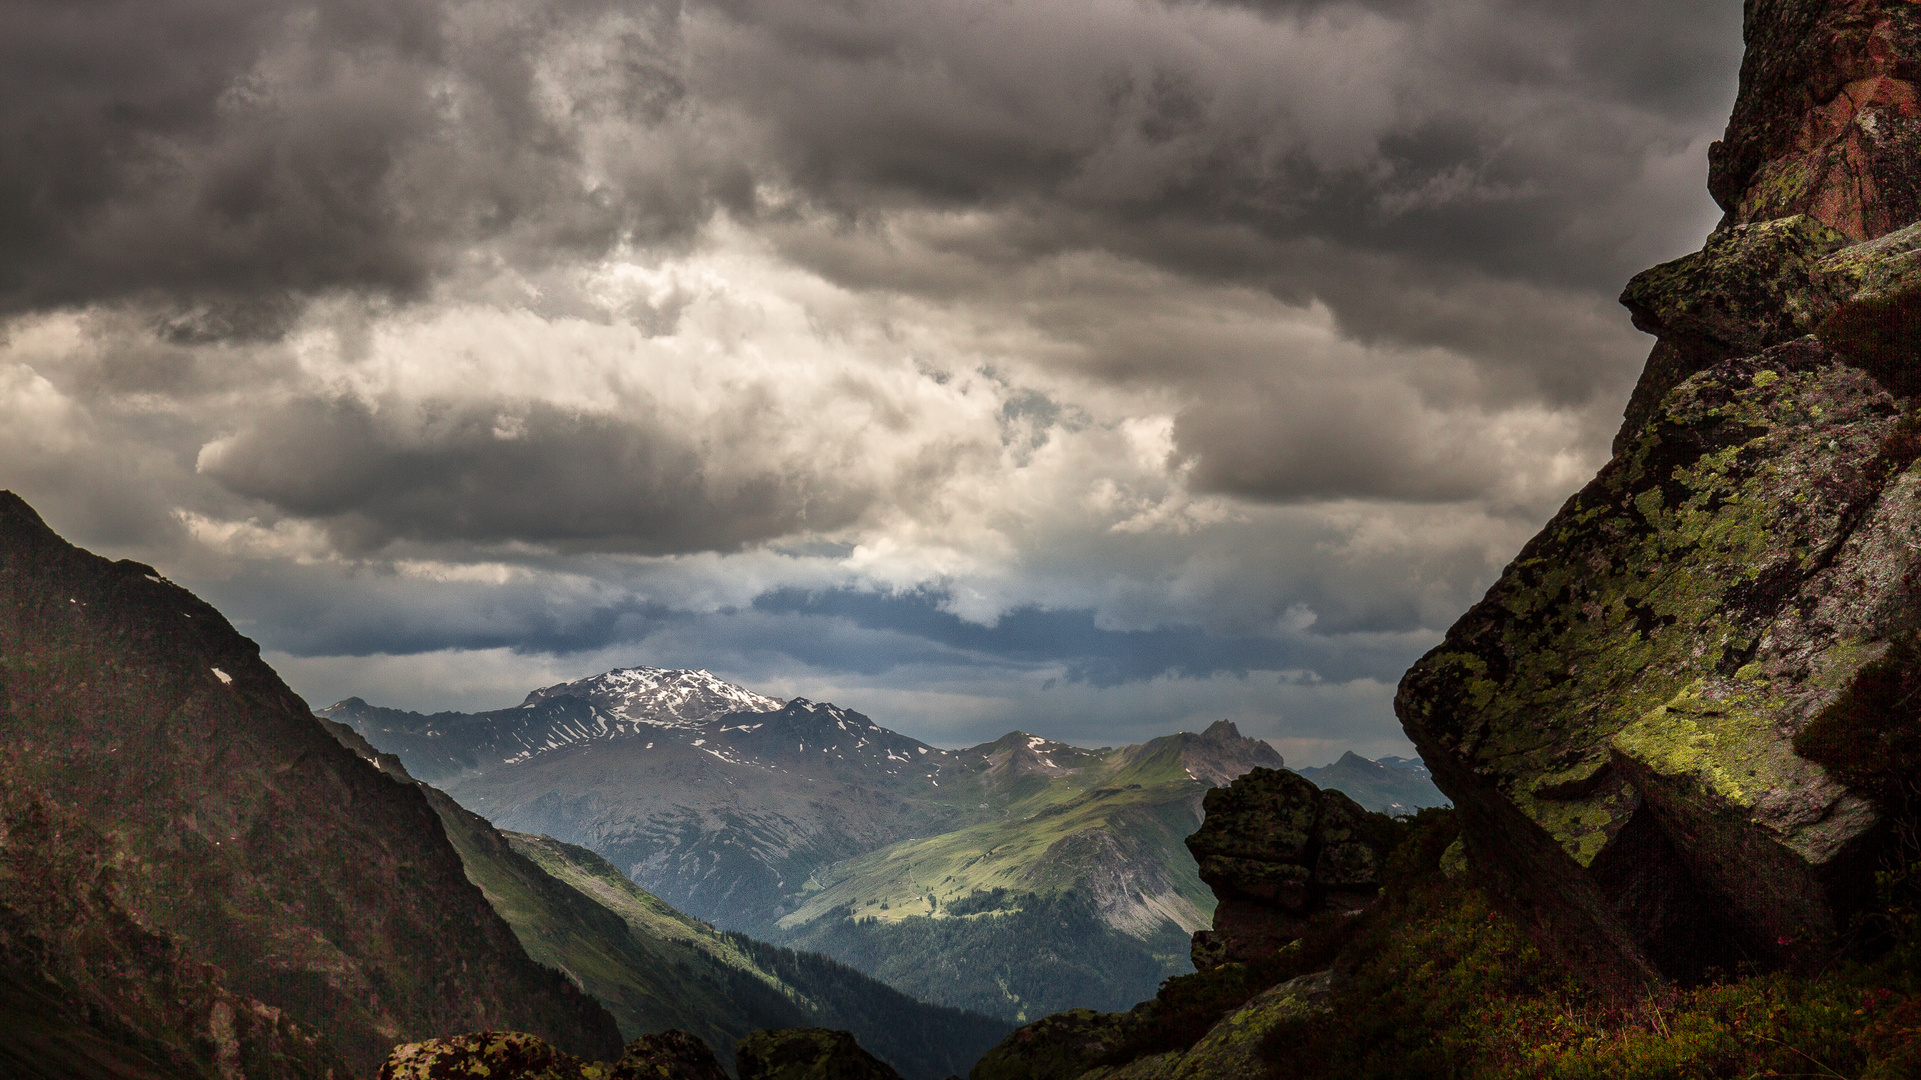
496	1055
1231	1049
1057	1047
668	1055
1277	850
808	1054
1616	719
516	1055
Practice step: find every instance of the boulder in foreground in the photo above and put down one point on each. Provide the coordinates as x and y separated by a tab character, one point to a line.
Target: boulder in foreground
516	1055
808	1054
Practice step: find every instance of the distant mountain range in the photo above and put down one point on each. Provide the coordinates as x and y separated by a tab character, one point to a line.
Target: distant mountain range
1013	878
1389	785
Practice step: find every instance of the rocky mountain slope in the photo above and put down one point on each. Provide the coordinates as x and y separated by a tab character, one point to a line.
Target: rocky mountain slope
722	818
1389	785
197	878
815	827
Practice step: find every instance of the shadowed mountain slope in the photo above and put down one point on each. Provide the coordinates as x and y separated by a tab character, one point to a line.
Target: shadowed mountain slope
201	870
655	968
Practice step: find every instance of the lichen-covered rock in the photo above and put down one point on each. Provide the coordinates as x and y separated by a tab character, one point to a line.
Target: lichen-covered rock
669	1055
1822	145
1056	1047
1231	1048
1276	850
1624	721
494	1055
1616	719
1826	122
1750	287
516	1055
1876	315
808	1054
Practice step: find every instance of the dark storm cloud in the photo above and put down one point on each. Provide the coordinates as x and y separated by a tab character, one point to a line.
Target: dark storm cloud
1478	176
1352	260
1089	653
834	630
1469	133
222	157
231	154
446	470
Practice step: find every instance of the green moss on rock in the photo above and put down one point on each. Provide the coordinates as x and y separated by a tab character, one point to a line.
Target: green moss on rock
808	1054
1665	636
516	1055
1056	1047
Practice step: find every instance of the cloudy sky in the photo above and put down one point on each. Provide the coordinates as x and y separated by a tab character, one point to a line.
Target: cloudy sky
1095	367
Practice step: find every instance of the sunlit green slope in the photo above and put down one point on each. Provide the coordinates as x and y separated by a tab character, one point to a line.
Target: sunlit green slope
1070	887
655	968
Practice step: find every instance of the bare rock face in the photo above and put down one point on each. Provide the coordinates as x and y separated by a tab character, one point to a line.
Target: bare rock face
1653	725
1277	851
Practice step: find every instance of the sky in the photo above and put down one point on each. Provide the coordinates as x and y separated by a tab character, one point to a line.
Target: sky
1098	368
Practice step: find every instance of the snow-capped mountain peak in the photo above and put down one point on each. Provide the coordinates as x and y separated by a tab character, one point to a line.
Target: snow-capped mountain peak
659	697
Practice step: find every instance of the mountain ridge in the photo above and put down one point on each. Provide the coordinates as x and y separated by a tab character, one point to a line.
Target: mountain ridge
162	778
655	968
1389	785
787	824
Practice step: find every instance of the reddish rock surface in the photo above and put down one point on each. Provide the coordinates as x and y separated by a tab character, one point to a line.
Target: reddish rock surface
1826	123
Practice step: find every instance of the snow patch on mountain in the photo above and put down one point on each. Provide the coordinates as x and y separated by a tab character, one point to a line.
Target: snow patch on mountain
659	697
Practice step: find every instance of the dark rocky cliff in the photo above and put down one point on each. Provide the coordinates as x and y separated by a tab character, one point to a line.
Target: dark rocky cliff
193	868
1653	725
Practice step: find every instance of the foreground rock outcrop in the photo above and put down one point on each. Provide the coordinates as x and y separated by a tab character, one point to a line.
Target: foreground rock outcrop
808	1054
1820	152
1640	723
775	1054
1278	851
516	1055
